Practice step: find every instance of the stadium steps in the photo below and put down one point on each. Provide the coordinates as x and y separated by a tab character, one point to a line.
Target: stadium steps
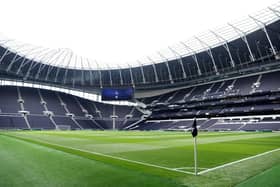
62	103
65	121
172	96
74	120
208	123
257	84
219	88
81	106
86	123
243	125
53	122
97	110
40	122
20	100
134	125
97	124
127	117
42	101
27	122
186	96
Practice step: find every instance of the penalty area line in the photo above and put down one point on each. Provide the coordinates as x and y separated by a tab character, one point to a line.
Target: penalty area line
105	155
238	161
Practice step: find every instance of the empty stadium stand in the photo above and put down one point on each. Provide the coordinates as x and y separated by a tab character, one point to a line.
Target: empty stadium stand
210	125
228	79
245	96
30	108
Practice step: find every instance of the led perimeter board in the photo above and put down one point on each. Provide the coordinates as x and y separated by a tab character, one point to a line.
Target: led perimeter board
117	94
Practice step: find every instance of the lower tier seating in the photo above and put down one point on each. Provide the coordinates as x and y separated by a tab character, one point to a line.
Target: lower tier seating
212	125
45	109
12	122
40	122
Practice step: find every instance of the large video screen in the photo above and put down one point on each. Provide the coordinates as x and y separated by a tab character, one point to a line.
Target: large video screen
117	94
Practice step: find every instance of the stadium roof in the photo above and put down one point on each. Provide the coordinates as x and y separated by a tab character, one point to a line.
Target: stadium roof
68	59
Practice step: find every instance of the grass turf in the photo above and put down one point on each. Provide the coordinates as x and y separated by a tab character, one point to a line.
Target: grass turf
268	178
164	149
27	164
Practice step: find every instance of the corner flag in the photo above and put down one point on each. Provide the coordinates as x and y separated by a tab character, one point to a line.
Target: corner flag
194	128
194	134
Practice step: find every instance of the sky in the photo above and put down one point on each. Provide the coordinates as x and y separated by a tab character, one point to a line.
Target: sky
117	31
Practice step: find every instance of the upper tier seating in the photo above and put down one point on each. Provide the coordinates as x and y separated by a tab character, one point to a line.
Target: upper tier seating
241	96
240	86
244	85
246	96
270	82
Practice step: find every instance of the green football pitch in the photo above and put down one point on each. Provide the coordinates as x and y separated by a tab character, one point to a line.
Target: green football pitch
133	158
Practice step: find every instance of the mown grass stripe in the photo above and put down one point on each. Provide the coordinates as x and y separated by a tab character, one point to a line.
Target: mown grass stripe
102	157
238	161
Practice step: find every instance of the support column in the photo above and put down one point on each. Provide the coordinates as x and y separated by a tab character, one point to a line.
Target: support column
66	68
244	38
100	74
8	51
263	26
38	59
47	62
100	79
209	51
66	72
276	12
25	61
74	72
168	68
142	72
180	61
155	70
110	76
194	57
114	117
225	45
90	73
131	76
53	62
15	59
120	72
83	72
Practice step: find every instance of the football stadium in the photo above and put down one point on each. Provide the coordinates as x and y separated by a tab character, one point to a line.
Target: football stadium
204	112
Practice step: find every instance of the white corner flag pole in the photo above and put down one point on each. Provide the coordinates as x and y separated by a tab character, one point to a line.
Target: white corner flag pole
195	155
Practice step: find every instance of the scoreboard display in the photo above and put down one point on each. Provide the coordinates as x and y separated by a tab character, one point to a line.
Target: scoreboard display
117	94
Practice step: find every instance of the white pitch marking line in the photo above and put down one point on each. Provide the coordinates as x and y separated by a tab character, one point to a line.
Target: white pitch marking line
114	157
235	162
189	168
